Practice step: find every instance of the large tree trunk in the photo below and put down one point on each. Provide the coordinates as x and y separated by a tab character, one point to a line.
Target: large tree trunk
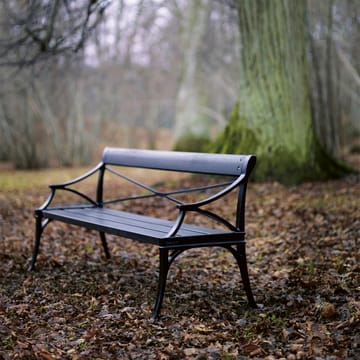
273	117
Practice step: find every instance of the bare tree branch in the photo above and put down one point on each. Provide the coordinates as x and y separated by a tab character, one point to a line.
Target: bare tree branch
33	31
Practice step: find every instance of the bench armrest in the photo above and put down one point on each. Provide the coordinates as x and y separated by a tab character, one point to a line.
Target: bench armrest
78	179
63	186
195	206
220	194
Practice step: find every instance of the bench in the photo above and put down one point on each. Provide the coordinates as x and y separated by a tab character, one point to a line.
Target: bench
172	237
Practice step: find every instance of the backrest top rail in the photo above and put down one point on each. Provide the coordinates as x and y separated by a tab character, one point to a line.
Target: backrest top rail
220	164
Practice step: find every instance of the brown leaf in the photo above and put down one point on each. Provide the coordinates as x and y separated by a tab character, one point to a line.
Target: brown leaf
328	311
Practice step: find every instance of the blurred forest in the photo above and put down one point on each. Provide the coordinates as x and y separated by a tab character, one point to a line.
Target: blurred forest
153	73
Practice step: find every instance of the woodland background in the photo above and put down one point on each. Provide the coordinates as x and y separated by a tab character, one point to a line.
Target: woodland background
150	73
80	75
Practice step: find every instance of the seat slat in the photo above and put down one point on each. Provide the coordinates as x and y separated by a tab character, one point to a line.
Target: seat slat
186	229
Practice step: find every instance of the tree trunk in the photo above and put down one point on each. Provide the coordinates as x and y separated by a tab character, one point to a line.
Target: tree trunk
189	119
273	116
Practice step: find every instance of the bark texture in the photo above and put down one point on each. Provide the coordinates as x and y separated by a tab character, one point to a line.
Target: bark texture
273	117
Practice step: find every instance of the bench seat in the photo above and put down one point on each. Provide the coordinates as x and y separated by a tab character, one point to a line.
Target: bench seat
138	227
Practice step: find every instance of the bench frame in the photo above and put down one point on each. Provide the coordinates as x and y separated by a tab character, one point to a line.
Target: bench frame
174	242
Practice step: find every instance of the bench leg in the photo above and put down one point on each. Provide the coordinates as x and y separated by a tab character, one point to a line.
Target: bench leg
104	244
163	271
39	228
166	259
240	256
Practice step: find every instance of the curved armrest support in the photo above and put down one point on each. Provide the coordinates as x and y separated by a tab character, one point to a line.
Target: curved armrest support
47	202
78	179
63	186
177	224
217	218
195	205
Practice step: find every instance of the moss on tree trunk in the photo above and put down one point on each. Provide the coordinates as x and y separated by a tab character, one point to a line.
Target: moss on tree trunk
272	118
278	163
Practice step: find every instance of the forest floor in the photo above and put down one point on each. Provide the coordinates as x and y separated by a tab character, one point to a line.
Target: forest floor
304	264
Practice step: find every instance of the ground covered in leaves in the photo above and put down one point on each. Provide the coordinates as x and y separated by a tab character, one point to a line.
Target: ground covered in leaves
303	254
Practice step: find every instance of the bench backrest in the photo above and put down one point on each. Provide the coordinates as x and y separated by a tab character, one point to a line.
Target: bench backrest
219	164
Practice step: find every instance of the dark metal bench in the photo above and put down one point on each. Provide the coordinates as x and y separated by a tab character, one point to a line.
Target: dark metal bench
171	236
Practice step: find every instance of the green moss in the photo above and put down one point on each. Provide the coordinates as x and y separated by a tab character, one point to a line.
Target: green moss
278	161
281	165
236	138
289	168
326	166
191	142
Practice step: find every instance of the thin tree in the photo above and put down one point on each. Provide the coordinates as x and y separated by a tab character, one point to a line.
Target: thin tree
189	120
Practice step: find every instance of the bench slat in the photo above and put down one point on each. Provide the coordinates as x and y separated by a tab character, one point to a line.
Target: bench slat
148	222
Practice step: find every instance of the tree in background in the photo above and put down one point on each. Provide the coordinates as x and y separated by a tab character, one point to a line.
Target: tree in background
35	30
190	123
334	42
273	116
125	82
72	72
41	113
207	85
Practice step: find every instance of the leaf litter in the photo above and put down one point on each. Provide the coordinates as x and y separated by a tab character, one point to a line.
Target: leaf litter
303	257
